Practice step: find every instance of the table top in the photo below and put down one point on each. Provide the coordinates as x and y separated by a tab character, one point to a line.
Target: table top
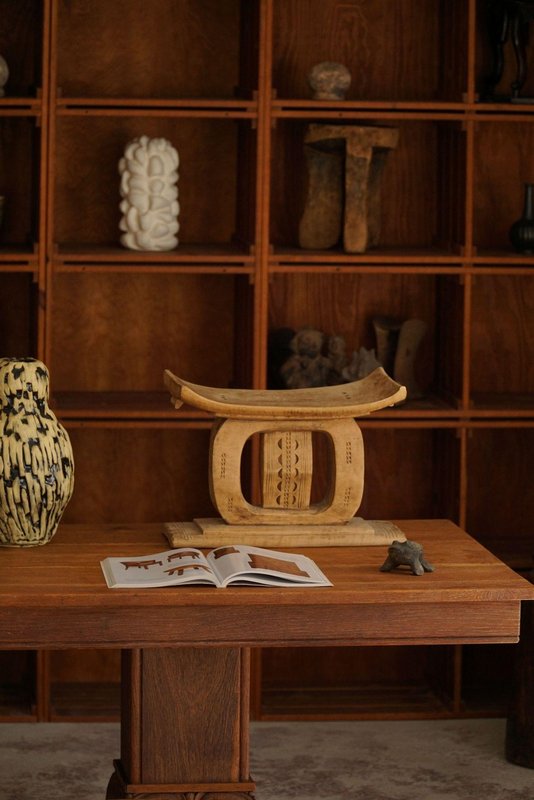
56	596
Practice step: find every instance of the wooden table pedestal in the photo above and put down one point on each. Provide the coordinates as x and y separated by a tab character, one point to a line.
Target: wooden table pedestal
185	725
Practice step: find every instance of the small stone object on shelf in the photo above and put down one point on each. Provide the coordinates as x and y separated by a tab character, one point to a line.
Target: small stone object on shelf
329	80
149	174
4	75
36	461
409	554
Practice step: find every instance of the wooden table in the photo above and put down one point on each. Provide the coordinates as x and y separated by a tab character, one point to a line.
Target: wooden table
185	683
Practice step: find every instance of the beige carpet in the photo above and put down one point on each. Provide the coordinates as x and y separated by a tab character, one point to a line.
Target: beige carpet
451	760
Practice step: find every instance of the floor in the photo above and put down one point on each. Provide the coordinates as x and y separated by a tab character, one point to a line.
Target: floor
437	760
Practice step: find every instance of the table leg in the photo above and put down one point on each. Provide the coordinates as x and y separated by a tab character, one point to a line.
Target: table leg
184	725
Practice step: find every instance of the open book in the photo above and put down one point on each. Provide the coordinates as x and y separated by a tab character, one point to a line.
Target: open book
229	565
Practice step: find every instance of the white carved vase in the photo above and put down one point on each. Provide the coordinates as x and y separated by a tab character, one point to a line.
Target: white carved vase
149	205
36	461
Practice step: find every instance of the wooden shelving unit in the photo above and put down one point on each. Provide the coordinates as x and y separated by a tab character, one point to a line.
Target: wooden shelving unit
225	81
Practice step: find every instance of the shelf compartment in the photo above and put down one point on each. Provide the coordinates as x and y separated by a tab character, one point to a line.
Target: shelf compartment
18	260
19	183
173	48
184	323
216	180
500	509
20	107
17	314
85	702
430	43
292	259
503	262
356	683
139	474
21	32
503	163
426	485
199	258
18	686
345	305
501	404
501	325
146	107
84	685
422	189
284	108
122	406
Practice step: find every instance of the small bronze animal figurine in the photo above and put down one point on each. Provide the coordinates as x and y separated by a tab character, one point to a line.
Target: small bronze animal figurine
408	554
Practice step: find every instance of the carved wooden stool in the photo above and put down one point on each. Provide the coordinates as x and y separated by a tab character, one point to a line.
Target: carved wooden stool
285	422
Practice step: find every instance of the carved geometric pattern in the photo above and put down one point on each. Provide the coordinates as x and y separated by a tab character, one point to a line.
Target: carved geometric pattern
287	460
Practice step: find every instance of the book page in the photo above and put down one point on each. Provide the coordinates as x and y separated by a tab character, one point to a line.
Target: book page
242	564
184	565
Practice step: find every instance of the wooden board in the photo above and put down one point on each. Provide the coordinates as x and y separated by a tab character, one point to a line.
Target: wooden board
215	532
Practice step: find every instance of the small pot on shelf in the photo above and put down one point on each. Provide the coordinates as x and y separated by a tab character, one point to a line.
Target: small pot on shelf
522	231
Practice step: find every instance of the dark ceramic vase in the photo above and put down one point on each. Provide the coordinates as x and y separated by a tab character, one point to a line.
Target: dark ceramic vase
522	231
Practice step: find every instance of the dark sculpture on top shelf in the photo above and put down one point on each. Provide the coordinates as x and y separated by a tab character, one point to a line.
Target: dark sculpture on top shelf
508	19
406	554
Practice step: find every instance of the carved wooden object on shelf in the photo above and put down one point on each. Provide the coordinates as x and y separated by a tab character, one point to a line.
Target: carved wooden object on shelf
345	163
285	421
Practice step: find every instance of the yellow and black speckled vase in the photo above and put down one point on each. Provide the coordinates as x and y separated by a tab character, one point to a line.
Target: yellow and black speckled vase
36	462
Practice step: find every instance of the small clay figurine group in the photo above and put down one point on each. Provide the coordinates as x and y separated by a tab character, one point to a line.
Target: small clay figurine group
409	554
306	358
309	358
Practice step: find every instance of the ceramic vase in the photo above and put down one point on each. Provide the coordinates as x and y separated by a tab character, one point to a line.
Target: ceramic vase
36	462
522	231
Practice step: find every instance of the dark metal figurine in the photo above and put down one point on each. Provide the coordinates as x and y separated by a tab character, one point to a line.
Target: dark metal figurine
508	19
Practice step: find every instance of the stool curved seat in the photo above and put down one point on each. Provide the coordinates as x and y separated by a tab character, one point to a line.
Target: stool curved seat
377	390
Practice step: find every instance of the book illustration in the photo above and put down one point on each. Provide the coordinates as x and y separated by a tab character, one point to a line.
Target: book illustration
179	570
268	562
141	564
257	561
224	551
224	566
183	554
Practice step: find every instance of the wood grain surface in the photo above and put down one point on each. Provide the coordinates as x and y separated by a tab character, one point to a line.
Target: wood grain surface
57	595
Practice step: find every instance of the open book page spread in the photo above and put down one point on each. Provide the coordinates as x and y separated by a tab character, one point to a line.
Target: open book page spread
232	564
